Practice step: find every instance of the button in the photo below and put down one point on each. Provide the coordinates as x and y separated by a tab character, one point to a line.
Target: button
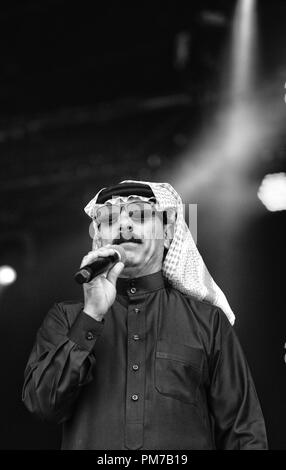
134	397
135	367
89	335
133	290
136	337
136	310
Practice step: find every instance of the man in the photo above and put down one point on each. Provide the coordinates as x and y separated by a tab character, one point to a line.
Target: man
150	359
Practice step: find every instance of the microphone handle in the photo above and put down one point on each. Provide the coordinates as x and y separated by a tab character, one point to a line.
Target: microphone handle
86	273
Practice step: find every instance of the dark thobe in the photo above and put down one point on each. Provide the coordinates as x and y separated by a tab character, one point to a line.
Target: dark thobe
162	371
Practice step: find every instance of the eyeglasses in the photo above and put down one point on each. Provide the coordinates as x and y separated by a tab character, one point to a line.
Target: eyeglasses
138	211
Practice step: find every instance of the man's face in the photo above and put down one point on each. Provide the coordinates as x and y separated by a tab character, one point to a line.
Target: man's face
142	237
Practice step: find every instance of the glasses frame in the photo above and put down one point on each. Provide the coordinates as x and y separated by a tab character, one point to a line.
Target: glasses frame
125	205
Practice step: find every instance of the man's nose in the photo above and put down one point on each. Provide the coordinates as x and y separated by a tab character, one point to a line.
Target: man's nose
125	222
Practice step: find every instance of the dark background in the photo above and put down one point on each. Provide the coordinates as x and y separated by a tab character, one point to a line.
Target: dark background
92	95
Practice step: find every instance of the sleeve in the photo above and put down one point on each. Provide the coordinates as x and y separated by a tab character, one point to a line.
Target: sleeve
234	405
60	364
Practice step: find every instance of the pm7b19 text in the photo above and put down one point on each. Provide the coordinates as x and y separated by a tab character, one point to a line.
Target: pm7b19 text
167	459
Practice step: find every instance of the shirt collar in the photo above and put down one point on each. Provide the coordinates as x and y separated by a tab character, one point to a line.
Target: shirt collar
140	285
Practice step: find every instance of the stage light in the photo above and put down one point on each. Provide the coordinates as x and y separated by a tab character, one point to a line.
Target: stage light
272	192
8	275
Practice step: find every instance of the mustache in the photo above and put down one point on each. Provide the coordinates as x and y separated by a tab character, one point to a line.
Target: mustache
121	239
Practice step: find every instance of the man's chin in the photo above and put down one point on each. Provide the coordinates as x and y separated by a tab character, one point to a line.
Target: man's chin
131	255
128	265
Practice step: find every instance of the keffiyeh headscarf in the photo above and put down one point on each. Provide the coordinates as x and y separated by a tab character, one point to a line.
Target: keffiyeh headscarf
183	265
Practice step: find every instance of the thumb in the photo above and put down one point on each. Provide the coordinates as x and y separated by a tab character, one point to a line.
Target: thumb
114	272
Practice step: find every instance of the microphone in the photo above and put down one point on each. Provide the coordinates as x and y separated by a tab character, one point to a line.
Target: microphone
100	265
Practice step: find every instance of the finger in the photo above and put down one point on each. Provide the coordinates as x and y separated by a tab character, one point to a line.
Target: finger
94	282
114	272
93	255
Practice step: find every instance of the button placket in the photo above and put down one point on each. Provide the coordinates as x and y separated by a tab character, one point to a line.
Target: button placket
135	374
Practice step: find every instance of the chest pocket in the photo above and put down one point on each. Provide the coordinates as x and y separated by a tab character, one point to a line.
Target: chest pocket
178	370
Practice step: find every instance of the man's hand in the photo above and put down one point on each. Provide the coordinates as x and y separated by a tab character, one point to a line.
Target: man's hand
100	292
